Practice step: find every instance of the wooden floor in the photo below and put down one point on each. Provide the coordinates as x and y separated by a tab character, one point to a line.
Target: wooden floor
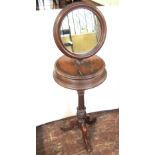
104	136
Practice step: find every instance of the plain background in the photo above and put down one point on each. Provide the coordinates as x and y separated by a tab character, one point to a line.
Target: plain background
28	92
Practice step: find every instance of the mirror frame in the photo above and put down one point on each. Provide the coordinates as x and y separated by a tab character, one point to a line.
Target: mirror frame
58	23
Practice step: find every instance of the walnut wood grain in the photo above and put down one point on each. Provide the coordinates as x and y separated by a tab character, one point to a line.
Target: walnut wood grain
71	74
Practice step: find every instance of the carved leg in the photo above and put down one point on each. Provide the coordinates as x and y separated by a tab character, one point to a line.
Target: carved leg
84	130
90	120
72	125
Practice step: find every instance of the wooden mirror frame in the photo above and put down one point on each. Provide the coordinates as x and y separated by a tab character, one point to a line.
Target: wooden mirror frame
58	23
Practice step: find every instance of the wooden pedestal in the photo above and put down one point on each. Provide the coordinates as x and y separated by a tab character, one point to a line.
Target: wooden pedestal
80	75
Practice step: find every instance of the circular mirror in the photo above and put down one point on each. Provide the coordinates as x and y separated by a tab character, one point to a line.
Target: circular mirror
80	30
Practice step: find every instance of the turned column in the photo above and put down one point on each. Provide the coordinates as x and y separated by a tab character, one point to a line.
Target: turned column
81	109
82	118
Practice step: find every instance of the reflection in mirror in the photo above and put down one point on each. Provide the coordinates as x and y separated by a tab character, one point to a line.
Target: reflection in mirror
80	31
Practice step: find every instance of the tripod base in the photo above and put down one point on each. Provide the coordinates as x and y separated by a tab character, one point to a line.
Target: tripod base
82	121
82	124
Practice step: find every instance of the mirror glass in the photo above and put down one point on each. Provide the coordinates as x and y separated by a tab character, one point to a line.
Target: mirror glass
80	31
